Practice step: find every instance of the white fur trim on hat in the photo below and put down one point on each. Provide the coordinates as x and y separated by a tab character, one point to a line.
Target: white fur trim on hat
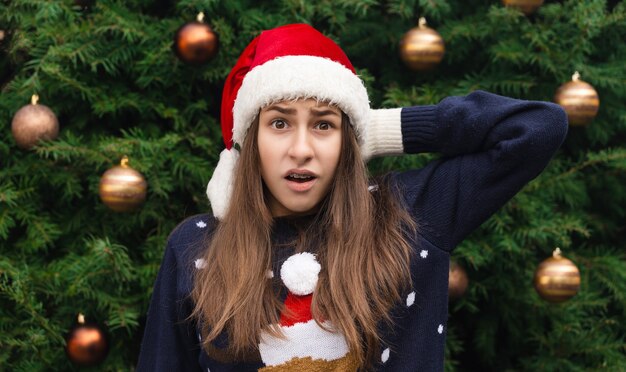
299	273
219	189
300	77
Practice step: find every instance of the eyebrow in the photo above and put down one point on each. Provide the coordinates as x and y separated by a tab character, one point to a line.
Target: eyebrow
282	110
290	111
324	112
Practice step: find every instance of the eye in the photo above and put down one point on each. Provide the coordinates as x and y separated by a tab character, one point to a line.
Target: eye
324	125
278	124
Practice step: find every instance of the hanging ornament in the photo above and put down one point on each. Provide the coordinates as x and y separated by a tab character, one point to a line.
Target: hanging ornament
557	279
122	188
579	99
525	6
3	36
422	48
33	123
86	344
457	281
195	42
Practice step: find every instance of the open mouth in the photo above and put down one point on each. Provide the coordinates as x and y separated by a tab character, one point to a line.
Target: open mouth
299	178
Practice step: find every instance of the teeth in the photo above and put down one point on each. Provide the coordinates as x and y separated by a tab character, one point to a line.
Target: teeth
295	175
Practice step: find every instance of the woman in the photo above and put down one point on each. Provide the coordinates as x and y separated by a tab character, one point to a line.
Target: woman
304	264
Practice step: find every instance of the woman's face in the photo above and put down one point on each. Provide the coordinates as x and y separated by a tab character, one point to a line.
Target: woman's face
299	146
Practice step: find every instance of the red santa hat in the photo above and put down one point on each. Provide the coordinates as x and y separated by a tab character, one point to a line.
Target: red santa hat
286	63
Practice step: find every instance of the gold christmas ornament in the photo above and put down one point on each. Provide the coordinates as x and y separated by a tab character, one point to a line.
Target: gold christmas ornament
422	48
579	99
525	6
33	123
86	344
122	188
557	279
2	35
457	281
195	42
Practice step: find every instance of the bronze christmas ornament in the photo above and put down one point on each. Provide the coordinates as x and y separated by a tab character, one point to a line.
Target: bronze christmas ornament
33	123
86	344
525	6
195	42
557	279
457	281
422	48
122	188
579	100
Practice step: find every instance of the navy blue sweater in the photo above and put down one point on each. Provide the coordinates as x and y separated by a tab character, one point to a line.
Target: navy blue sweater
491	147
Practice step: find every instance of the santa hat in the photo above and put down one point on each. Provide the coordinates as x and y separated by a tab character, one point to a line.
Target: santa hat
286	63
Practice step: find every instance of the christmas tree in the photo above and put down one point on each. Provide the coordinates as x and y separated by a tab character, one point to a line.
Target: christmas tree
107	71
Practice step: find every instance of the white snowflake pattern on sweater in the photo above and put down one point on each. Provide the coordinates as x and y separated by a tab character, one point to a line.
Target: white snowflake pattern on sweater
410	299
385	355
200	263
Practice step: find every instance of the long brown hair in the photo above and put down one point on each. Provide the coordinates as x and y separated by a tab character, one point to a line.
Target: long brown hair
363	250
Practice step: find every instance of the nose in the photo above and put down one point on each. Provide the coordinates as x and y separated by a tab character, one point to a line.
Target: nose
301	147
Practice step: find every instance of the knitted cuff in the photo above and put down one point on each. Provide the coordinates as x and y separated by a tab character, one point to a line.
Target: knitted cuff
384	134
420	129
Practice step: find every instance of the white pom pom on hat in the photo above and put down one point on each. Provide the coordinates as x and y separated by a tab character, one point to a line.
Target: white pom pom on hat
300	272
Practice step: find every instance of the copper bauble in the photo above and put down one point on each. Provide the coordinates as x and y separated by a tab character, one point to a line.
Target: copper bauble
86	344
195	42
33	123
2	35
557	279
579	99
422	48
122	188
525	6
457	281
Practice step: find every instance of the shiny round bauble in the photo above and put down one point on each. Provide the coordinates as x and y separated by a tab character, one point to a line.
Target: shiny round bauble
557	279
457	281
86	344
422	48
525	6
33	123
195	42
122	188
579	100
4	39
